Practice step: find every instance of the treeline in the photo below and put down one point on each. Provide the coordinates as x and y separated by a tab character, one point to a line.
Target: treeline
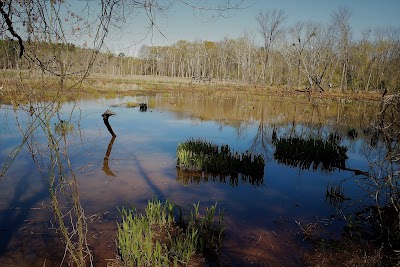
307	56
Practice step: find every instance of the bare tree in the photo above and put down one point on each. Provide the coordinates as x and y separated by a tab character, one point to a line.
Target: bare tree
341	25
270	26
54	25
301	34
317	55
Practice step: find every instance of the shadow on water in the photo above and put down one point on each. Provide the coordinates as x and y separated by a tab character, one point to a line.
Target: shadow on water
143	174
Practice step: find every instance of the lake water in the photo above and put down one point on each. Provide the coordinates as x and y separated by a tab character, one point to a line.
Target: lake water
262	218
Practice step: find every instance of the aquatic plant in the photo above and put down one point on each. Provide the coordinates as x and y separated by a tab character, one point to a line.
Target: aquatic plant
202	156
155	239
300	152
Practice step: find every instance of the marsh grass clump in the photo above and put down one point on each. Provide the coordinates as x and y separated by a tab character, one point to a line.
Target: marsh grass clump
202	156
155	239
210	232
304	153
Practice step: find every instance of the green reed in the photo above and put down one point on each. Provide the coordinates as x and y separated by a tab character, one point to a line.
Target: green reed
198	155
154	239
315	152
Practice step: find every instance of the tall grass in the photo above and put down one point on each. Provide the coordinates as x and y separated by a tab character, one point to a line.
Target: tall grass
311	152
198	155
155	239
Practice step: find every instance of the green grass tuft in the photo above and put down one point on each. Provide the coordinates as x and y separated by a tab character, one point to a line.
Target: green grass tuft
304	153
197	155
155	239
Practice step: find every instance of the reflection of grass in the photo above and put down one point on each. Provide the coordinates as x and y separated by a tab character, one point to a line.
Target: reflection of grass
297	151
63	128
352	133
190	177
335	195
154	239
131	105
197	155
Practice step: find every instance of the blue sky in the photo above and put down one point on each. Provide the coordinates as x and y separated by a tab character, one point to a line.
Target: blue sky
181	23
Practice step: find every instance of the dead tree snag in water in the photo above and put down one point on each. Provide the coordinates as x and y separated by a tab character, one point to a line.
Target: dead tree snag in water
105	116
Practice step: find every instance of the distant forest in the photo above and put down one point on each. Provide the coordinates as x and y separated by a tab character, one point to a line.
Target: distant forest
307	55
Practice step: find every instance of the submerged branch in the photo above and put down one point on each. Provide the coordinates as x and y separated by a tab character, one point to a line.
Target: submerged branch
105	116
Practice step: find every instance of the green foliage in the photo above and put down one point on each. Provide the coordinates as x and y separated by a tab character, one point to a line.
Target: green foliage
197	155
154	239
209	233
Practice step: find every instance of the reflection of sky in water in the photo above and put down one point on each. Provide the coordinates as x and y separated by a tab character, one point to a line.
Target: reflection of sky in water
143	161
154	135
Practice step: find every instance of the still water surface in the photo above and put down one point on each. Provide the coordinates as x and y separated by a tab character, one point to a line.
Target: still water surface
261	217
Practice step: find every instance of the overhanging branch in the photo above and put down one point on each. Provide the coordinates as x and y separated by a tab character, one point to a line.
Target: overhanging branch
11	29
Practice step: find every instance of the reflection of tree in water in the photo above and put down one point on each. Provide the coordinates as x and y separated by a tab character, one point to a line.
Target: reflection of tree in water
261	141
51	157
374	216
382	183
